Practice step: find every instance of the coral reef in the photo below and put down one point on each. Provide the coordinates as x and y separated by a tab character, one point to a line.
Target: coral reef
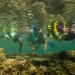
2	55
58	63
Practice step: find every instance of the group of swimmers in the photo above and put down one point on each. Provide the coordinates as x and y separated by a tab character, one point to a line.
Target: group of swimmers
58	29
35	35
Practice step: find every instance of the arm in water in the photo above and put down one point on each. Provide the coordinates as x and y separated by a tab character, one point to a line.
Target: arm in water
41	41
46	42
30	41
36	45
61	36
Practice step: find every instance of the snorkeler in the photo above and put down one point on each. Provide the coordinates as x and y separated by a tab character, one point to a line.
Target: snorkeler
36	38
61	30
39	18
52	31
69	32
67	29
13	35
47	41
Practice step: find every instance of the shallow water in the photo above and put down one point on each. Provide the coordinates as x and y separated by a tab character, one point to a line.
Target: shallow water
10	47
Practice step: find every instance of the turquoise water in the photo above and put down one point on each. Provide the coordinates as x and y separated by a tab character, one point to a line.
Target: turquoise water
10	47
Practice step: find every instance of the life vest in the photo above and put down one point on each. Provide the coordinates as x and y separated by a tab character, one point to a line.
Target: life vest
56	32
35	39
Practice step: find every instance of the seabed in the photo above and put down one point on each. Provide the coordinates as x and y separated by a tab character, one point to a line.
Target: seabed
52	63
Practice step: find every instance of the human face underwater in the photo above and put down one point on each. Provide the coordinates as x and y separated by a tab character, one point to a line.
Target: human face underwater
36	30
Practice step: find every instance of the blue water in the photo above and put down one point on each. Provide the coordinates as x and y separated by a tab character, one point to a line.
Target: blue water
10	47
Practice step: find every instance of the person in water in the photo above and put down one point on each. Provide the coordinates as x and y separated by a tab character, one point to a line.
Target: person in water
50	30
48	36
38	8
12	34
36	38
68	31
